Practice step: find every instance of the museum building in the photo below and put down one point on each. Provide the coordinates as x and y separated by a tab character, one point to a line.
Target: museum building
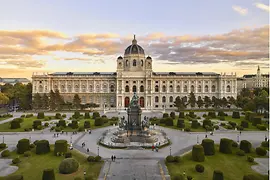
156	90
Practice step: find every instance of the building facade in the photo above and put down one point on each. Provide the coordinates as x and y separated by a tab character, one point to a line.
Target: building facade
252	81
156	90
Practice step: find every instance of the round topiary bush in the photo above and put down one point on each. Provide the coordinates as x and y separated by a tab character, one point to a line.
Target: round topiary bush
236	115
76	115
198	153
212	114
244	124
194	124
60	146
191	114
218	175
221	113
207	122
199	168
16	161
15	177
40	115
96	115
3	145
36	123
15	124
240	153
68	155
86	124
48	174
209	147
91	159
225	146
5	153
68	166
23	146
27	153
74	124
256	120
172	114
86	115
187	129
99	121
250	159
43	147
261	151
61	123
169	121
181	123
181	115
169	159
265	144
97	159
177	159
245	146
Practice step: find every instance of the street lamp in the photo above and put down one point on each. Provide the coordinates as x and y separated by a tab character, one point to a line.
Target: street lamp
238	138
98	150
170	150
30	139
3	138
197	139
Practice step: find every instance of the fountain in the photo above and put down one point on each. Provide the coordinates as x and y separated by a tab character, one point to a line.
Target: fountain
134	131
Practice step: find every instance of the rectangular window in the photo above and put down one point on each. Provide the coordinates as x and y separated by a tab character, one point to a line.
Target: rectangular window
134	82
157	82
170	81
163	81
141	81
126	81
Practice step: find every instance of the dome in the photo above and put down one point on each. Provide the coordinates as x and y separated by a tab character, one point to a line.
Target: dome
134	48
148	57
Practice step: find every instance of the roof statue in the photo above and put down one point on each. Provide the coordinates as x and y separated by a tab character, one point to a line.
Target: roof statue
134	100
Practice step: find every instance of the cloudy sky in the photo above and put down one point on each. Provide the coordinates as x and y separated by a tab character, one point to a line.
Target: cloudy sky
88	36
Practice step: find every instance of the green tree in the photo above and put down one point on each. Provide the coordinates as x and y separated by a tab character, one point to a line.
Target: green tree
179	103
200	103
76	101
3	98
232	101
250	106
45	100
52	102
207	101
59	100
224	102
37	101
192	99
262	101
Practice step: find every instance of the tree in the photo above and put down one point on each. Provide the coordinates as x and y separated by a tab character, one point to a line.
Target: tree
232	100
224	102
52	102
76	101
200	103
245	92
3	98
45	100
216	102
37	102
179	103
250	106
192	99
207	101
59	101
261	101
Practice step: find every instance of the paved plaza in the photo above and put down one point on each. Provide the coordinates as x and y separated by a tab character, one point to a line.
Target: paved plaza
145	164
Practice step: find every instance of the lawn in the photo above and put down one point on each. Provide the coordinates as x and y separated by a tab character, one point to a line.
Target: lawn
4	118
32	167
233	167
27	123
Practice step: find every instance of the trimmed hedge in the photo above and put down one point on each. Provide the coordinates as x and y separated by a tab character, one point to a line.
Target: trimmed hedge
15	177
169	121
212	114
198	153
199	168
194	124
15	124
99	121
86	124
181	123
43	147
221	113
244	124
249	115
86	115
208	146
261	151
265	144
256	120
250	159
76	115
181	115
245	146
91	159
60	146
172	114
165	115
16	161
36	123
58	116
23	146
261	127
169	159
207	122
240	153
40	115
5	153
225	146
62	123
74	124
48	174
3	145
236	115
96	115
68	166
191	114
218	175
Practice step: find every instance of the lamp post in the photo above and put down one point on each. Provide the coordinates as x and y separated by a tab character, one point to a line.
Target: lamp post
238	139
170	150
197	139
30	139
98	150
3	139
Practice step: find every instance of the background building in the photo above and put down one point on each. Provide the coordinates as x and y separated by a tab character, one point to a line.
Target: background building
13	81
156	90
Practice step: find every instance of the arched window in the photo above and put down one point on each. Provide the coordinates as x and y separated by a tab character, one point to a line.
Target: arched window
199	97
83	99
76	88
55	87
63	88
105	88
178	89
156	88
112	88
163	99
141	62
171	99
40	89
83	88
192	88
134	62
171	88
206	88
141	88
185	88
228	89
69	88
127	63
199	88
156	99
213	88
127	88
134	89
97	88
163	88
90	88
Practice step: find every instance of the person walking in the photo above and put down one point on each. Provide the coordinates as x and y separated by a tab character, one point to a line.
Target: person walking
153	147
87	150
240	132
112	157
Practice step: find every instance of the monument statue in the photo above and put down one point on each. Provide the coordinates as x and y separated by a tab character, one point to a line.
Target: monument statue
134	114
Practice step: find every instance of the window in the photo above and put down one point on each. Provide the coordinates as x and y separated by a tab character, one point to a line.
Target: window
40	88
170	81
185	88
163	81
83	99
83	88
199	88
206	88
199	81
171	99
213	88
134	89
156	88
192	81
171	88
69	88
178	89
127	63
76	88
40	81
127	88
141	89
141	81
163	99
97	88
90	88
127	82
141	62
156	99
104	88
134	82
63	88
228	89
163	88
157	82
192	88
134	62
112	88
206	81
55	87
